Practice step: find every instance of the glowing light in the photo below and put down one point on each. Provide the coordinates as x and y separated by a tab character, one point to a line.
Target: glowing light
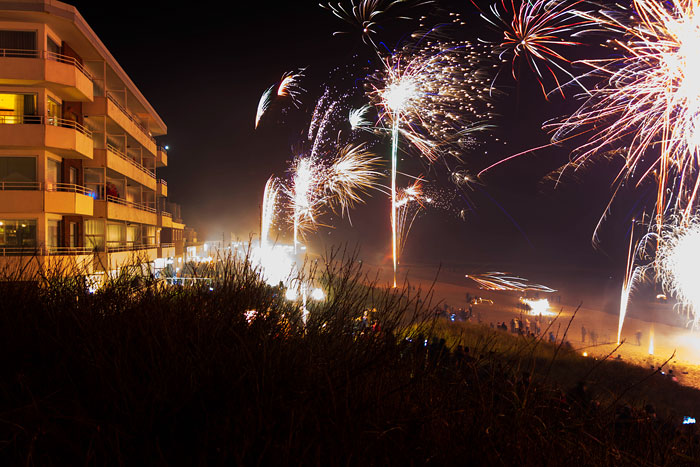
538	307
651	340
290	294
317	294
585	354
250	315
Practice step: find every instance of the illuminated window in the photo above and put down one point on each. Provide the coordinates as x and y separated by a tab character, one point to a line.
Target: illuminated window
18	233
53	111
18	108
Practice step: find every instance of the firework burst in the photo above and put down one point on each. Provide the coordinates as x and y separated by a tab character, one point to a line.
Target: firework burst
649	104
366	15
435	95
536	32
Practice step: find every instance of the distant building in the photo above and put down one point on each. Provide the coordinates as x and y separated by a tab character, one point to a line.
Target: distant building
78	158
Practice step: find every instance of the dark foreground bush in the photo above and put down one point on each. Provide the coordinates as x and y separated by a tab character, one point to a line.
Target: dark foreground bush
139	373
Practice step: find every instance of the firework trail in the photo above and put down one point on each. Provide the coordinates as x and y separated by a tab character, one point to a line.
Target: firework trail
269	206
264	104
536	32
287	87
435	95
649	104
365	15
633	275
502	281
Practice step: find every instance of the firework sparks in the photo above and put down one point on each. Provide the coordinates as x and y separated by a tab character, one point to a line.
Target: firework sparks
651	340
677	260
650	101
409	202
365	15
537	307
304	195
633	275
535	32
357	118
351	175
502	281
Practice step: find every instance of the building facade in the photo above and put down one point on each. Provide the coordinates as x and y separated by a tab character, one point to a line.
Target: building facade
78	151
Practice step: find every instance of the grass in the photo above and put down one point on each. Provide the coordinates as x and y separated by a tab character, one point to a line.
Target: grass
139	373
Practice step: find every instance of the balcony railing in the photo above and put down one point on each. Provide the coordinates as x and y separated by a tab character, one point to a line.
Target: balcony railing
20	251
166	214
21	53
48	186
40	119
20	186
121	154
131	204
69	250
162	182
131	117
116	247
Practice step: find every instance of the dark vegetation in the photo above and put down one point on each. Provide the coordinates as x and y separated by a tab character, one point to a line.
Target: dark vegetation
138	373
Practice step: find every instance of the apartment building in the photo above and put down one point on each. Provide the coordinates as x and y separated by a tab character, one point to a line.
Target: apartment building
78	154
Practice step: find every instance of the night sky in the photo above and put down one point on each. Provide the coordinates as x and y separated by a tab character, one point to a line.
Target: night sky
203	68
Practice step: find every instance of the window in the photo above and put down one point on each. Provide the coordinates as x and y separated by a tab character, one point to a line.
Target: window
94	233
18	234
18	108
18	173
52	235
18	43
116	235
52	46
73	175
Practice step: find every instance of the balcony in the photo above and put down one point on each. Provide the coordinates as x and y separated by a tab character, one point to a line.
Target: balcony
110	107
62	74
166	250
115	159
162	188
58	198
120	209
121	254
162	157
67	138
165	219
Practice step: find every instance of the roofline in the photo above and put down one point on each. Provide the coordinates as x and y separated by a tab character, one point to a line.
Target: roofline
71	13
